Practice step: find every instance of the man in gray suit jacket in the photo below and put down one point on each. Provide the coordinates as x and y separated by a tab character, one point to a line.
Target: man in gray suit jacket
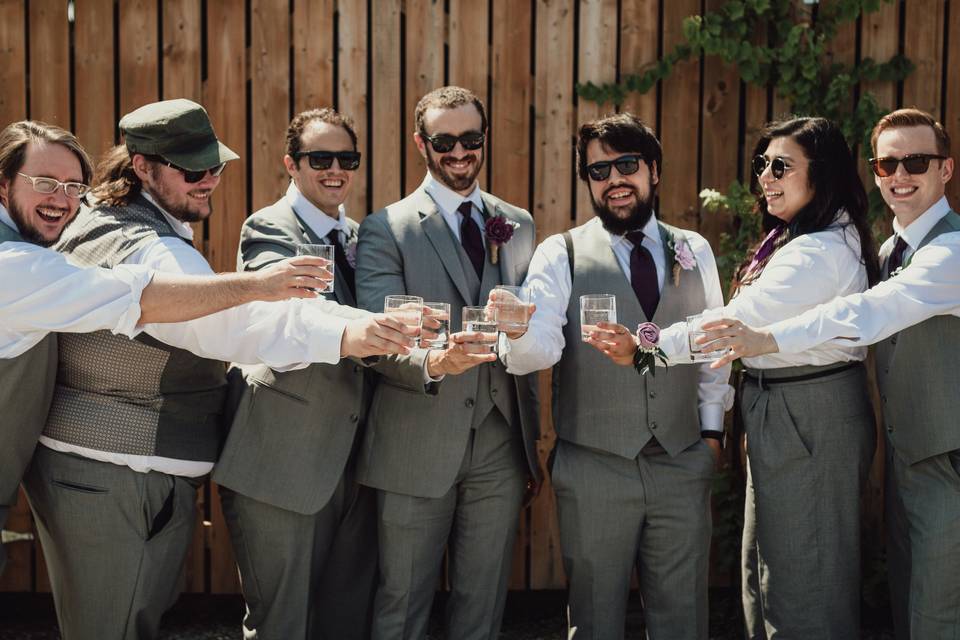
450	465
303	530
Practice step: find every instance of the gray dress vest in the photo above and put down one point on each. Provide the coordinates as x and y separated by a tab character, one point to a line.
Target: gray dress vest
26	387
919	378
612	408
136	397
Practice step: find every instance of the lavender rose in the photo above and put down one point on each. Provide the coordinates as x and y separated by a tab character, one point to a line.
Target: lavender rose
685	257
649	335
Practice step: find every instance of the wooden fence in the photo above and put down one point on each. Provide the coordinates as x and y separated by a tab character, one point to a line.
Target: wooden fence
254	63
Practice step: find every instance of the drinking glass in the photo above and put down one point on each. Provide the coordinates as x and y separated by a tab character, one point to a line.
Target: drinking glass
697	354
484	320
511	303
407	310
439	311
594	308
323	251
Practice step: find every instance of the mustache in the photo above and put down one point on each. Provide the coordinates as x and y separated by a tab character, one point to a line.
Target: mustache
631	188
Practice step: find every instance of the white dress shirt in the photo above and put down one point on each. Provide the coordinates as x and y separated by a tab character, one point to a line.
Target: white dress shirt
283	335
315	218
447	201
549	286
809	270
42	292
929	285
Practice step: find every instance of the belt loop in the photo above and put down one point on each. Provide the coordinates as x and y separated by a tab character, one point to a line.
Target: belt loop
760	377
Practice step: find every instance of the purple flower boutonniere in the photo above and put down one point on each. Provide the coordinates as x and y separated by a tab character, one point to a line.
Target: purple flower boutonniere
498	231
351	251
683	258
645	360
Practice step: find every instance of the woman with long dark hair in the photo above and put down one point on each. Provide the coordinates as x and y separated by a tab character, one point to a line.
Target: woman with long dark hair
808	419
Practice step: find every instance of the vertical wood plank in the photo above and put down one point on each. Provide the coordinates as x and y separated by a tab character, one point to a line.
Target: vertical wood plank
390	118
270	86
313	54
425	24
951	116
94	74
139	60
224	94
923	44
50	62
879	40
470	59
18	573
353	52
680	125
13	71
639	38
842	49
597	60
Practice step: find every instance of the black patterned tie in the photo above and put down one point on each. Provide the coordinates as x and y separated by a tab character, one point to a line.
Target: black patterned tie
896	256
471	238
643	275
340	260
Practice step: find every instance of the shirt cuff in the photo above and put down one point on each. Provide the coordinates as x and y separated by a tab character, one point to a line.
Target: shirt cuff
711	417
325	335
789	339
426	375
513	351
673	341
137	277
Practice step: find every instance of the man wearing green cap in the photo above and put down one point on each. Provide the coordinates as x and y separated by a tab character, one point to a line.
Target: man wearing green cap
134	425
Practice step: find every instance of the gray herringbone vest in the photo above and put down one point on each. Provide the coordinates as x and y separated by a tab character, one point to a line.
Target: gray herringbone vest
140	396
26	386
919	377
600	405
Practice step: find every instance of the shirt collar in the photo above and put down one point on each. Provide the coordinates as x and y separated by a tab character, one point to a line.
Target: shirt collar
182	229
651	232
314	217
917	230
446	198
7	220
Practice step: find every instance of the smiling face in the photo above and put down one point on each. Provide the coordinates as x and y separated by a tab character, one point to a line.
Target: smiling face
787	195
910	195
326	189
185	201
622	202
42	217
458	169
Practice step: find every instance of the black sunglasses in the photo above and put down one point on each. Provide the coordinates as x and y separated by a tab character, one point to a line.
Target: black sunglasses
626	165
320	160
915	164
778	166
192	176
445	142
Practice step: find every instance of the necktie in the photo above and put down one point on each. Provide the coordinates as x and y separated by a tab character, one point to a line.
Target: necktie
471	238
340	260
643	275
766	247
896	256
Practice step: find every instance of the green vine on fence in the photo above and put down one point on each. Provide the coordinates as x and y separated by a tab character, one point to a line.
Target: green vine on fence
795	61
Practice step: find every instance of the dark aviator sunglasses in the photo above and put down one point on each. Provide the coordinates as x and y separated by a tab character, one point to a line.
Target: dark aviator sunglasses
626	165
445	142
190	176
915	164
321	160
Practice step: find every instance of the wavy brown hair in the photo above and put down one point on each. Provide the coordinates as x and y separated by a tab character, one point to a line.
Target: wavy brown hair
115	182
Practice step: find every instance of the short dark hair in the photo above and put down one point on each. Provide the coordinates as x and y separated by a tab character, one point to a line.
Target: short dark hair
300	121
16	136
448	98
622	132
911	117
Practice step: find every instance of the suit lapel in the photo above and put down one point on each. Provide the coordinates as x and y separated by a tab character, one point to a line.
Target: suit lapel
340	286
438	233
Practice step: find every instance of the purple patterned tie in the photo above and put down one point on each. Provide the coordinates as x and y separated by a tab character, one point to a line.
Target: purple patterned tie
896	256
471	238
766	247
643	275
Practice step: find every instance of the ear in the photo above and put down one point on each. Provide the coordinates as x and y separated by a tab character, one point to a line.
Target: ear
291	165
421	144
946	170
654	172
4	189
141	167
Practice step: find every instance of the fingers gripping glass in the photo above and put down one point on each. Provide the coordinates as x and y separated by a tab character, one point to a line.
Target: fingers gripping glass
914	164
444	142
778	166
321	160
626	165
49	185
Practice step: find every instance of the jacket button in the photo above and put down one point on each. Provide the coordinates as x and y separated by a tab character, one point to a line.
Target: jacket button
468	403
653	394
887	370
356	368
354	417
893	340
890	429
653	425
883	398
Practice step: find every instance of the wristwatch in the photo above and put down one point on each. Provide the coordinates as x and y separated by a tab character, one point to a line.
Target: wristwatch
713	434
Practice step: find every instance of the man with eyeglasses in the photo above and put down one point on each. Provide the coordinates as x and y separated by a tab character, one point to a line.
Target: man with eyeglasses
634	455
914	318
450	466
135	425
304	530
43	177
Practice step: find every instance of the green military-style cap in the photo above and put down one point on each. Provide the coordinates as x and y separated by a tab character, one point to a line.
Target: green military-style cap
179	131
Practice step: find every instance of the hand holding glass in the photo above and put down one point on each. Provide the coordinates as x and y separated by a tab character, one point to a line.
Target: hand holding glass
512	305
407	310
483	320
323	251
594	308
694	331
435	330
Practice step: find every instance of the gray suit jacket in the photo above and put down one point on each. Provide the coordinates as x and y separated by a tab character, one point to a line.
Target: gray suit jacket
415	440
292	433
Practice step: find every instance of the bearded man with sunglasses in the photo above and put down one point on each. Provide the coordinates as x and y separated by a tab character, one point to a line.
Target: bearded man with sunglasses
914	318
135	425
449	465
634	456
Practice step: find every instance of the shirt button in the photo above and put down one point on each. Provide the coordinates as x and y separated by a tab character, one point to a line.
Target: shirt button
653	425
354	417
468	403
493	392
653	394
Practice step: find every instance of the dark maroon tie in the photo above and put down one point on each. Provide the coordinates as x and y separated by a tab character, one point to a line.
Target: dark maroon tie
471	238
896	256
643	275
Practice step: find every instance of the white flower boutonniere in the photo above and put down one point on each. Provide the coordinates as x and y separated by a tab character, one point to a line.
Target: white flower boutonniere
351	251
683	258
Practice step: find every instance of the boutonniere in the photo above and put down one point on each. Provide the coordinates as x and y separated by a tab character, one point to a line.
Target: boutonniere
498	231
649	351
683	258
350	250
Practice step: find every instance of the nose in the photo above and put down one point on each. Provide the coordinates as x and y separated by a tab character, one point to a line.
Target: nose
901	171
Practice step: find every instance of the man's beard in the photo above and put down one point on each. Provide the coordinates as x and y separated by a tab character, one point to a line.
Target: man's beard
637	218
181	212
27	232
454	182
